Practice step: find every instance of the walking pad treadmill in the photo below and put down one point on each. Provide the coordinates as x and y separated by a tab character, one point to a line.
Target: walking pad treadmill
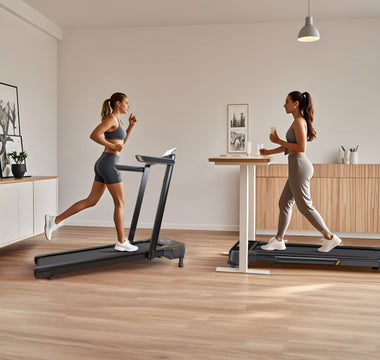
49	265
308	254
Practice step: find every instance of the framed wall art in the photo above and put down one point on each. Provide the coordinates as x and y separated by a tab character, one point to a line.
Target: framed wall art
237	128
10	131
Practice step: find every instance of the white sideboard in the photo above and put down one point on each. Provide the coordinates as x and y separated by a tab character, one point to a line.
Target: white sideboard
23	205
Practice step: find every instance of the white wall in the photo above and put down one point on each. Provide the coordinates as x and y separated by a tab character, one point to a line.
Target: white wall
28	60
179	81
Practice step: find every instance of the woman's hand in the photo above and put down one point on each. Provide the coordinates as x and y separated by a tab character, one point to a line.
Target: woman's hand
118	147
274	137
264	152
132	120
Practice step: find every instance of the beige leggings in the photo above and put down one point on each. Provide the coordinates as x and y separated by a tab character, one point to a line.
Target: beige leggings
297	189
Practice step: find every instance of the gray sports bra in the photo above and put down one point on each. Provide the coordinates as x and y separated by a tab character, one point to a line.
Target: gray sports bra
290	138
118	134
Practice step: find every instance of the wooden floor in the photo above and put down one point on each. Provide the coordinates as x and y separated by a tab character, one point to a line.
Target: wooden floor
160	311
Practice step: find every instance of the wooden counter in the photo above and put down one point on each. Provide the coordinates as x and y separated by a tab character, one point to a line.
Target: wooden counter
23	205
347	197
13	180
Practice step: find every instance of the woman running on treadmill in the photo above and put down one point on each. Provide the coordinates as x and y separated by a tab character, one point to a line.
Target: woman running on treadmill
297	187
106	173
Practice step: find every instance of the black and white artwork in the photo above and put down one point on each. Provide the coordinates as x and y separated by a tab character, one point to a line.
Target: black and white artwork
10	132
237	129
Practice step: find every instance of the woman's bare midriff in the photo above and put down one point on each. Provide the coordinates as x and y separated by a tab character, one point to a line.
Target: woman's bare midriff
112	151
296	152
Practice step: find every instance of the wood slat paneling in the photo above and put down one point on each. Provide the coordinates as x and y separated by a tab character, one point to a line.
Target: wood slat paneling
326	171
347	197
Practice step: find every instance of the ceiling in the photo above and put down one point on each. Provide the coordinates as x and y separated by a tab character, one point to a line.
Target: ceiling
76	14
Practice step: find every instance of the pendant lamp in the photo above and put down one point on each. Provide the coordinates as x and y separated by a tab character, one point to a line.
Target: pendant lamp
309	32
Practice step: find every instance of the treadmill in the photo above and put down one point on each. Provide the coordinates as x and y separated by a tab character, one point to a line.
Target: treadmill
308	254
49	265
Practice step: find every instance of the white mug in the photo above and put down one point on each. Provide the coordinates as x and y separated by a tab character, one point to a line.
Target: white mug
249	148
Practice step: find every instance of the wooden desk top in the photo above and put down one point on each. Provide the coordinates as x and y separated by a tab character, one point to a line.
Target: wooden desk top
241	160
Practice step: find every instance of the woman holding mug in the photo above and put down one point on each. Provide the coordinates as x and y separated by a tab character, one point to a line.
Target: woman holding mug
297	187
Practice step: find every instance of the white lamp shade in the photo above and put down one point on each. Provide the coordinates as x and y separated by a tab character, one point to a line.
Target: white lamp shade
309	32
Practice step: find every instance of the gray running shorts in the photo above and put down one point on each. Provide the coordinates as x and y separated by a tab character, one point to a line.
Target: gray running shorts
105	169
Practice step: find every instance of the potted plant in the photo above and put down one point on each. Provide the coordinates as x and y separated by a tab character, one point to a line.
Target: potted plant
19	167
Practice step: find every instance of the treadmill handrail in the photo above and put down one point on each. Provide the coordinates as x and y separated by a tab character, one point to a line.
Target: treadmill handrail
139	200
167	160
160	210
130	168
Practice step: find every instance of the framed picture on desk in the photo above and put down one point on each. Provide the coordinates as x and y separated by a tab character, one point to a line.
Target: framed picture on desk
237	128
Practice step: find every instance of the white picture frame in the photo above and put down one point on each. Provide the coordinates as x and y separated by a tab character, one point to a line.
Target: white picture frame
237	128
10	132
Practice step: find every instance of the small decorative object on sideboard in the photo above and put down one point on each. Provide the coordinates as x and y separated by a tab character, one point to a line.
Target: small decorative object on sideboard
344	156
19	167
341	155
354	156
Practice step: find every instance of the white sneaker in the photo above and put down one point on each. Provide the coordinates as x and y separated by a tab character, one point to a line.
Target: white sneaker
125	246
273	244
330	244
50	226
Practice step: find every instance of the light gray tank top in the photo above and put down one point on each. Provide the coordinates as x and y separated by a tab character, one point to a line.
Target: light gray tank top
290	138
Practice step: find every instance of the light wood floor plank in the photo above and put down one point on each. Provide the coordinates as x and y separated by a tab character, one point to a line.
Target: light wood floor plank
157	310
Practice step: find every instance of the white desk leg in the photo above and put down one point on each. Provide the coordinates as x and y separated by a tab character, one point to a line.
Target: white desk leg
244	220
252	203
243	231
245	226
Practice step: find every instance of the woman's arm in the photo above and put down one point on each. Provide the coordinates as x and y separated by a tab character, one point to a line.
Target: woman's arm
104	126
132	122
272	151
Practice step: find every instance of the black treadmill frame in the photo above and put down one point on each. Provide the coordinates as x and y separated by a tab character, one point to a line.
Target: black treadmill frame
46	267
308	254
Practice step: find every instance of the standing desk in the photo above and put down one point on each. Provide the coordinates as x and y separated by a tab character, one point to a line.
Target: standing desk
247	213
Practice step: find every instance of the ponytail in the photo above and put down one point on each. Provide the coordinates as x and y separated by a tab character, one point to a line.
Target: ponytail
109	104
106	110
308	114
307	111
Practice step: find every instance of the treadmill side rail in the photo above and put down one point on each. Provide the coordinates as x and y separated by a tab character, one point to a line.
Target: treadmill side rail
130	168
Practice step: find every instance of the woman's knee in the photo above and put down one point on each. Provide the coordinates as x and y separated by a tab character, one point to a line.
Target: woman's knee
285	204
305	206
90	201
119	202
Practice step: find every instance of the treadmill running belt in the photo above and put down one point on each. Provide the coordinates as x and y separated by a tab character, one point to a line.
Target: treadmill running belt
309	254
49	265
